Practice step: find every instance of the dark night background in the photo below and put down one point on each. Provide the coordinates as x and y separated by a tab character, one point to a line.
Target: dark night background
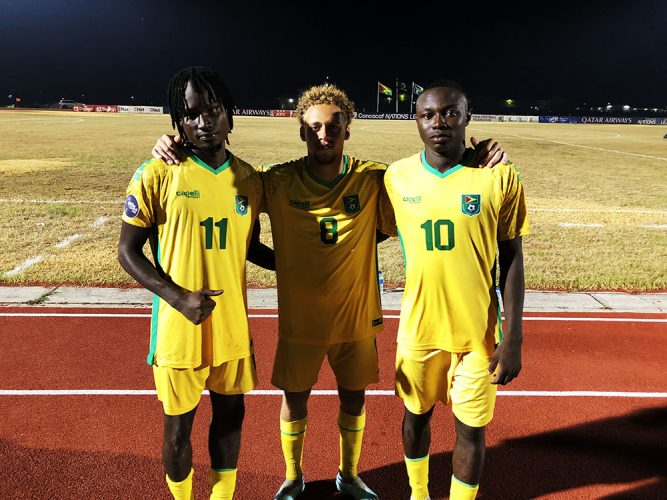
106	52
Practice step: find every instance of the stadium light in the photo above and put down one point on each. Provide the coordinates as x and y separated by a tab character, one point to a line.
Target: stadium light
290	100
626	107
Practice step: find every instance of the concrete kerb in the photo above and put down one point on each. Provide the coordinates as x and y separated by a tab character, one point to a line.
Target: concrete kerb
266	298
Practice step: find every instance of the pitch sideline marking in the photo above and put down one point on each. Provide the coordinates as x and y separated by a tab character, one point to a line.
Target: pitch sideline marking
28	263
576	224
386	316
581	146
59	202
147	392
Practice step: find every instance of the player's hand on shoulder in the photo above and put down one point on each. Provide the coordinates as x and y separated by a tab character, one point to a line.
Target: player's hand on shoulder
168	149
505	363
198	305
488	152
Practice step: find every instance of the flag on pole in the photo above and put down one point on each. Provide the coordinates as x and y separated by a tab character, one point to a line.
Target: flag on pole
417	89
383	89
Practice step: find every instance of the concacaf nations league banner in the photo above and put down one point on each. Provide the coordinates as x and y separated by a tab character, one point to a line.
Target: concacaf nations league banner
615	120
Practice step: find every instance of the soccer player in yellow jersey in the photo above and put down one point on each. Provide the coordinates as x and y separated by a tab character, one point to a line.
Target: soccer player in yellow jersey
324	209
204	211
451	218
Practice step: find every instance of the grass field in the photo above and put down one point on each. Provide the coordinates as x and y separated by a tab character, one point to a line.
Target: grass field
597	194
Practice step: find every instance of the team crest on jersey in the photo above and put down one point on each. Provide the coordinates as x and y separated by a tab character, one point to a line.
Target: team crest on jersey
131	206
470	204
351	204
241	204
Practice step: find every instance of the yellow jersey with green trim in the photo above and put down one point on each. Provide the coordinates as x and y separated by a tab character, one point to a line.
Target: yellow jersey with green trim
449	224
204	219
326	255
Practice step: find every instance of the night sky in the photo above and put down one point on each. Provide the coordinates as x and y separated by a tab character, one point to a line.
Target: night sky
109	51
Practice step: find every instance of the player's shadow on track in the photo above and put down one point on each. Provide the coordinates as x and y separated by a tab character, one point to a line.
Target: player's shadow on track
626	449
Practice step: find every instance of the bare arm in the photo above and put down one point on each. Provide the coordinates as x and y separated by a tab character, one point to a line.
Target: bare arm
258	252
506	361
195	306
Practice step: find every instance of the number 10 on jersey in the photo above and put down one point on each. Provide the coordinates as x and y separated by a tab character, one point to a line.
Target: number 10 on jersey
434	234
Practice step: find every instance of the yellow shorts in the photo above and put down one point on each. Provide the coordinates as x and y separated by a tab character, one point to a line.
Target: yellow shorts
425	377
296	367
180	389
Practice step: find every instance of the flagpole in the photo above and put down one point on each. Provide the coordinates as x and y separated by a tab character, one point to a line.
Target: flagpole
396	98
412	95
377	108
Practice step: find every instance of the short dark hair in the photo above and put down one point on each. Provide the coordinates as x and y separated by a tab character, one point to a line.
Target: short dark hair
203	79
445	82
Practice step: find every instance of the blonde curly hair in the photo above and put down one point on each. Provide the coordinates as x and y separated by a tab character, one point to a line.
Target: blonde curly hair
326	93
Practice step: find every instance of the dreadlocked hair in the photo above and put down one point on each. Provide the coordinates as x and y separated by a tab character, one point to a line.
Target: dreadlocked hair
203	79
325	94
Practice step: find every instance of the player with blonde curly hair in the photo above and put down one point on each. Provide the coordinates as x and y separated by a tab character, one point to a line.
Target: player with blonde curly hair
324	210
325	94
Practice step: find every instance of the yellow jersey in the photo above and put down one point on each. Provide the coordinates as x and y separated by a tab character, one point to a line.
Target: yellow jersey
326	255
449	224
204	218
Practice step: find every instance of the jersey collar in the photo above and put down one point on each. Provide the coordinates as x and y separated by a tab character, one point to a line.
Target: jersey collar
333	182
466	158
216	171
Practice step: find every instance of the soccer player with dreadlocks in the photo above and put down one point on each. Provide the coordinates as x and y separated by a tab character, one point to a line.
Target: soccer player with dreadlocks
204	212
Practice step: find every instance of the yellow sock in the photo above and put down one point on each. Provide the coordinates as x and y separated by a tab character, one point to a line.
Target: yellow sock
181	490
292	435
222	483
418	476
351	434
462	491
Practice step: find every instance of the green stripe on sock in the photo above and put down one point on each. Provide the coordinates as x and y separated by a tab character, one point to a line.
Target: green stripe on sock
472	486
350	430
416	459
292	433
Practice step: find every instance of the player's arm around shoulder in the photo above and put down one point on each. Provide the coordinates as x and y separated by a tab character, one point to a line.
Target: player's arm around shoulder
506	361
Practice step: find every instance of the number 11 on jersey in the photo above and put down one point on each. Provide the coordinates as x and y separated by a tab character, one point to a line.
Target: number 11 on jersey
208	225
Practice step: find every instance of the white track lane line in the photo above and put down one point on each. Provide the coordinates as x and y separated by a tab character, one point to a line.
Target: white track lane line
142	392
386	316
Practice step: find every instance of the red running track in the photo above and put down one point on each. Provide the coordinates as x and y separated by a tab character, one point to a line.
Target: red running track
540	445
